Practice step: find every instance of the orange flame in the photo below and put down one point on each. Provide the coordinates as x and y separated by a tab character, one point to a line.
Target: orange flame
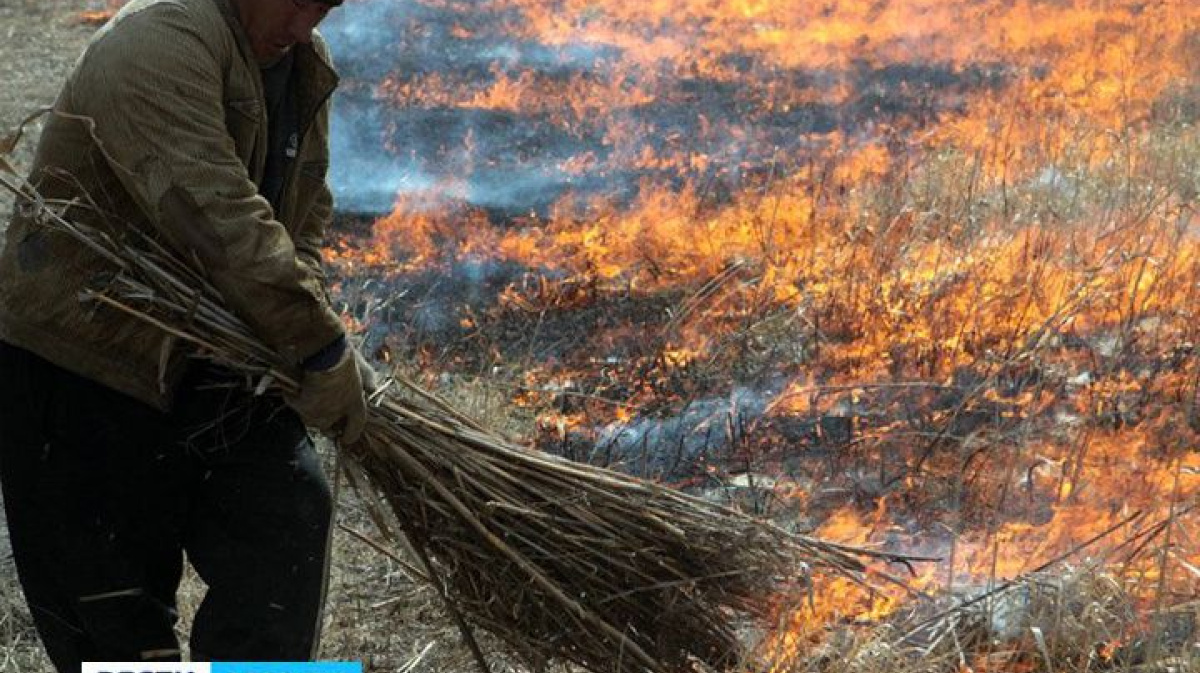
992	296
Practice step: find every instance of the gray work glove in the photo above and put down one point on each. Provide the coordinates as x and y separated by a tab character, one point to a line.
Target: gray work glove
332	401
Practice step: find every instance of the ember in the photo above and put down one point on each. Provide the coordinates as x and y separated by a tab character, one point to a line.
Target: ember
99	11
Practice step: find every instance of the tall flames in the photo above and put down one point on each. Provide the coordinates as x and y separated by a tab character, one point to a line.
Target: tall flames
946	251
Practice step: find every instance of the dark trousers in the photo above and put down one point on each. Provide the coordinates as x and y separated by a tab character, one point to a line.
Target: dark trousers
105	495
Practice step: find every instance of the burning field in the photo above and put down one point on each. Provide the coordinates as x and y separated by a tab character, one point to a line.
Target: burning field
911	274
914	274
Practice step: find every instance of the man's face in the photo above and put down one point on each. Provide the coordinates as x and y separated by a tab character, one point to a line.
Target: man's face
275	26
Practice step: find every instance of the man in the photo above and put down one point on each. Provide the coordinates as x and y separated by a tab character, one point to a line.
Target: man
204	124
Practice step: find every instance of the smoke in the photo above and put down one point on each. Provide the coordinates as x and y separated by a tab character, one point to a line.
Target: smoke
702	432
363	175
493	158
414	112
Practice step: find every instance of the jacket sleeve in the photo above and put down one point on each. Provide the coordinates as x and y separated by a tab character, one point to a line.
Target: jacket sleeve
155	91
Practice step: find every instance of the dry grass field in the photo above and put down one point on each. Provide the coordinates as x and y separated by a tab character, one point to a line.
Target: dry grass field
929	283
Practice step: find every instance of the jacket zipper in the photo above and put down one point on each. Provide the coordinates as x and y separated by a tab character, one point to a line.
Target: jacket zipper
301	144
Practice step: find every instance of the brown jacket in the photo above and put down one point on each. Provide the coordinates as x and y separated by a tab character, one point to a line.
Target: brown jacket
172	93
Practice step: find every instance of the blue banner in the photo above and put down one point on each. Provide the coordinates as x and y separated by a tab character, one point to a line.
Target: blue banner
281	667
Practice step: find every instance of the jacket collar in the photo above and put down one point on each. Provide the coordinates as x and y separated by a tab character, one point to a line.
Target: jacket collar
317	78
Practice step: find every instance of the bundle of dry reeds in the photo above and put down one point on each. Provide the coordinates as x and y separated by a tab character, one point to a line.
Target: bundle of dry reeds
559	561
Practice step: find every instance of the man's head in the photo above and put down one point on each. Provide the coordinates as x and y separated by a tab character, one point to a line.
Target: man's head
275	26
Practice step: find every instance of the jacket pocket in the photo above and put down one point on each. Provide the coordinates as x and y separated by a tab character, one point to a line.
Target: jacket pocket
310	184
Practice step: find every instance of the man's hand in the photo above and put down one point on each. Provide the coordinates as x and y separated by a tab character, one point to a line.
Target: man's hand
332	401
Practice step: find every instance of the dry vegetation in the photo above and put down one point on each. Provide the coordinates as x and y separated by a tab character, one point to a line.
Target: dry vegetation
987	329
987	333
39	40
